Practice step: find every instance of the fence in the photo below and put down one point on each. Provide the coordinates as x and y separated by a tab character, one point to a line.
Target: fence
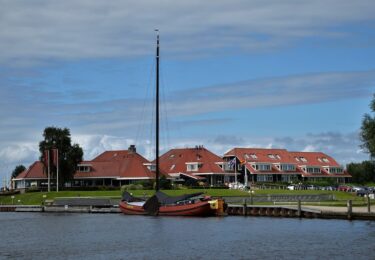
281	198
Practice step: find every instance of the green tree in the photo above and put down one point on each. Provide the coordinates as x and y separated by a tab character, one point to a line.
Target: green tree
362	172
18	170
367	133
69	155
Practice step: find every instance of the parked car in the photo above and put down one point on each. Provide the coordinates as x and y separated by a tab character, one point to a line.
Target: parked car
362	192
359	189
329	188
344	188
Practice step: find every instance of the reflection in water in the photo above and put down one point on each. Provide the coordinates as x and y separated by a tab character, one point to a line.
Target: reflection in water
115	236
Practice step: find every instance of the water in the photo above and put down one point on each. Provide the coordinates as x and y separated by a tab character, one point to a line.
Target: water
115	236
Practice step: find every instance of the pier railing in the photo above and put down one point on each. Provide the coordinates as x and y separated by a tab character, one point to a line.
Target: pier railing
281	198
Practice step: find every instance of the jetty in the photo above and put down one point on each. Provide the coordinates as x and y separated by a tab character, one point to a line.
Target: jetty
243	208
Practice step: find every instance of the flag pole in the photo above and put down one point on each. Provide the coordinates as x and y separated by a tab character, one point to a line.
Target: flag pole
49	176
57	170
235	170
246	179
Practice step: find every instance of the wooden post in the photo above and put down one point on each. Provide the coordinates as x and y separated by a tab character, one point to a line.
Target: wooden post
368	204
349	205
244	209
251	198
299	213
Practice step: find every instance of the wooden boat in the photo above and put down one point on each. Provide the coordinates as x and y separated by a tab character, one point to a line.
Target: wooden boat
162	204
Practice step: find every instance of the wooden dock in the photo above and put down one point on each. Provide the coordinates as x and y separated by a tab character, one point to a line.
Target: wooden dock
298	211
100	205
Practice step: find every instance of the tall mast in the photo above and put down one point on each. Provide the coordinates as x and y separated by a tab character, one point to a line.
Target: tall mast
157	111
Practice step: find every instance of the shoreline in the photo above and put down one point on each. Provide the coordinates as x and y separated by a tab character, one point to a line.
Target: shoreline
280	211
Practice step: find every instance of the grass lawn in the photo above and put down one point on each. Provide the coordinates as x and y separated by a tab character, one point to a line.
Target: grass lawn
36	198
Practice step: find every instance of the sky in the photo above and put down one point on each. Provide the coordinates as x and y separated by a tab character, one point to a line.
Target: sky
289	74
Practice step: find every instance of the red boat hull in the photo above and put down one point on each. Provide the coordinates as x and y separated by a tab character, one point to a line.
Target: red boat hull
201	208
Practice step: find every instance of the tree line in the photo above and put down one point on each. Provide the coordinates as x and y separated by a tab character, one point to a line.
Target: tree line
365	171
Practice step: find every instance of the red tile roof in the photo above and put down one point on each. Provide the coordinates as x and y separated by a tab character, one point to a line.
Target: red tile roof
262	155
117	164
35	171
312	158
175	161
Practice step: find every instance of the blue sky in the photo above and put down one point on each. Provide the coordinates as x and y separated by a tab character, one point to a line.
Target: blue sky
290	74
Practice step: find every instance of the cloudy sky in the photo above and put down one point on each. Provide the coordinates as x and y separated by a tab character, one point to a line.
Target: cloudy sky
283	74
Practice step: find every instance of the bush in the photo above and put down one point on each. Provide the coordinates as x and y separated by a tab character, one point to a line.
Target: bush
131	187
89	188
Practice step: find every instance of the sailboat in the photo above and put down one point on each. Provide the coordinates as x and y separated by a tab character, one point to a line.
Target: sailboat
161	204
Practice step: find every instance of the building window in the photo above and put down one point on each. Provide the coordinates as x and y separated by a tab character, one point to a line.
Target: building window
171	156
253	155
172	167
151	167
264	178
83	168
334	170
288	178
247	156
313	170
303	159
262	167
288	167
296	159
274	156
192	167
325	160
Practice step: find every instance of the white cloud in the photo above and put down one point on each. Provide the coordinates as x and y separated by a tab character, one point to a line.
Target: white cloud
289	90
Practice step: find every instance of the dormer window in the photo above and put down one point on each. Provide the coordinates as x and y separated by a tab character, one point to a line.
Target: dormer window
192	166
150	166
325	160
297	159
303	159
172	167
171	156
84	168
253	155
247	156
274	156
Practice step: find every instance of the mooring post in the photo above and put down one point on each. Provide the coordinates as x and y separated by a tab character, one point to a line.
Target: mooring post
368	204
244	210
299	213
349	205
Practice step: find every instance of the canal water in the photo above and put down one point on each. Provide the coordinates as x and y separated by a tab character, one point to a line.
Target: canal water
115	236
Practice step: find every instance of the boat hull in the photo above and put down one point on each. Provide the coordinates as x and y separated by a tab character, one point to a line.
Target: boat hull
201	208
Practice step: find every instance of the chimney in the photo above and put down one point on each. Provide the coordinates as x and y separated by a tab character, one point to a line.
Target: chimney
132	149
